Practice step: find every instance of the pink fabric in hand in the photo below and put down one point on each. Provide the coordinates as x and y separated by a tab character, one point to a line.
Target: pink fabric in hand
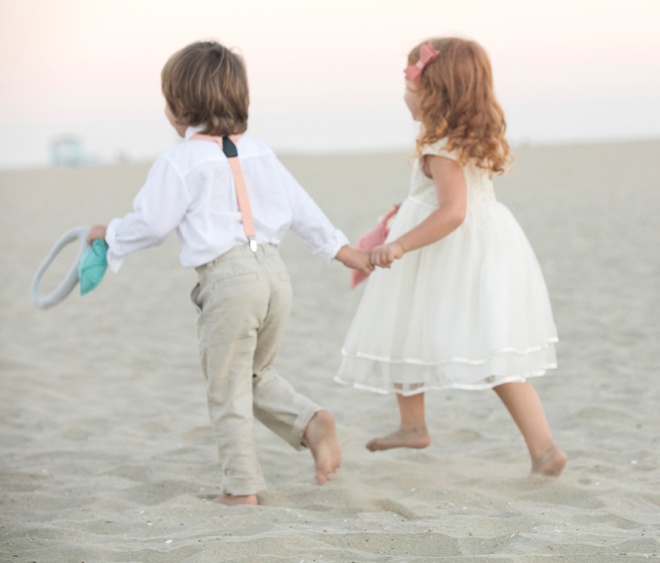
370	240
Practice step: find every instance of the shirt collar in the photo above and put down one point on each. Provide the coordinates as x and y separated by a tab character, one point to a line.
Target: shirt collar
192	130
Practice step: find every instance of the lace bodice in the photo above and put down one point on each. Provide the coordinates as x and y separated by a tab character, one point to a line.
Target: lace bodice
479	184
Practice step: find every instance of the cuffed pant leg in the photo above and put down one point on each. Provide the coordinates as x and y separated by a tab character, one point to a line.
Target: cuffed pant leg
280	408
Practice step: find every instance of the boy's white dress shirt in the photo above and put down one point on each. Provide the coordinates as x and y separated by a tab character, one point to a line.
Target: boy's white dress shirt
190	189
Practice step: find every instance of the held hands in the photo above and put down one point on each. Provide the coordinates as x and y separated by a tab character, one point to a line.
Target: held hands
97	231
383	255
355	258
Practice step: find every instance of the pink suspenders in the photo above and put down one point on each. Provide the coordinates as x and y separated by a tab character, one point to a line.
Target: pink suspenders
229	148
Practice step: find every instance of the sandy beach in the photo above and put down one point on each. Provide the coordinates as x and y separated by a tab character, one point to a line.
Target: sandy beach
106	453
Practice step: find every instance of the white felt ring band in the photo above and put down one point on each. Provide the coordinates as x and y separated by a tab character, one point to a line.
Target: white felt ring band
71	279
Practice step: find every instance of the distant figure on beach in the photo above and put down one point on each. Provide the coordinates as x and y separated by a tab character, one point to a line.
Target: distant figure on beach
244	291
460	300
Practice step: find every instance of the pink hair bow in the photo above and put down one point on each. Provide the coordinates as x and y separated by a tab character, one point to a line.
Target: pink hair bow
426	54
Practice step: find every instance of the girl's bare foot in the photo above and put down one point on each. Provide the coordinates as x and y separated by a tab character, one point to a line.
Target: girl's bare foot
417	437
234	500
550	463
321	438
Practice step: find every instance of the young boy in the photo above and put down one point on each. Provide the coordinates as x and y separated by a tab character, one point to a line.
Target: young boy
244	294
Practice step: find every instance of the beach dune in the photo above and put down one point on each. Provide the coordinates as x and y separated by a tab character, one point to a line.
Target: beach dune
105	448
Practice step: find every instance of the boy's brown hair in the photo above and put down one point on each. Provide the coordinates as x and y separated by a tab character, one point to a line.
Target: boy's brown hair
205	83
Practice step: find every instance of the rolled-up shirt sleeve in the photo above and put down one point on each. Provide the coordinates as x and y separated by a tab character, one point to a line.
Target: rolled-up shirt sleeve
158	209
309	222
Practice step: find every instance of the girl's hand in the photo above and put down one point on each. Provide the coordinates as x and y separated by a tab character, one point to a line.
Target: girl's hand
97	231
385	254
355	258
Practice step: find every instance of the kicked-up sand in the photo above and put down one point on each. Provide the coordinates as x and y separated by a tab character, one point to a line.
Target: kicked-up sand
105	448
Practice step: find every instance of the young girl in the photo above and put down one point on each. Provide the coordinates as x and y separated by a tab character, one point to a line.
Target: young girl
461	302
244	293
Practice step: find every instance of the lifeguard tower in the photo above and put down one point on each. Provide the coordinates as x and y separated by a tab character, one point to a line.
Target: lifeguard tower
67	151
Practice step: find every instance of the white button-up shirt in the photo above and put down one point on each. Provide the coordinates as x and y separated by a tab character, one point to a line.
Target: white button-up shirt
190	189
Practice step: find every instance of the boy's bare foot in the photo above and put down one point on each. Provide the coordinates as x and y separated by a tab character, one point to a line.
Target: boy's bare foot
321	438
414	438
234	500
550	463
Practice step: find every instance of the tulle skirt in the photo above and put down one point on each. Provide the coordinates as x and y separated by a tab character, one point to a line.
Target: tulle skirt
471	311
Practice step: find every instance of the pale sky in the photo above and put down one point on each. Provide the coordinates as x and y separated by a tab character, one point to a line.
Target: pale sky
325	76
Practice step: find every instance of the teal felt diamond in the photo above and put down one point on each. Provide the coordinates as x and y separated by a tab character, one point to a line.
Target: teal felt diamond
92	265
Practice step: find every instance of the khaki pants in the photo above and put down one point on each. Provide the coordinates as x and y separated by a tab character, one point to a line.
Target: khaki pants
244	300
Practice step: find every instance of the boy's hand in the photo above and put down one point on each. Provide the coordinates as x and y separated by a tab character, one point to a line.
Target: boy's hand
385	254
355	258
97	231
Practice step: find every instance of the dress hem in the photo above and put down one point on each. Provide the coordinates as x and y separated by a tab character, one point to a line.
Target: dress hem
440	387
459	359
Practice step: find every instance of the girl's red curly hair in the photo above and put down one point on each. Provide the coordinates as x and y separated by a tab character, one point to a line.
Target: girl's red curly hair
457	101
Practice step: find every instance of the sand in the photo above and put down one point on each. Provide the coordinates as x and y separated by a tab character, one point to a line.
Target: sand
106	452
